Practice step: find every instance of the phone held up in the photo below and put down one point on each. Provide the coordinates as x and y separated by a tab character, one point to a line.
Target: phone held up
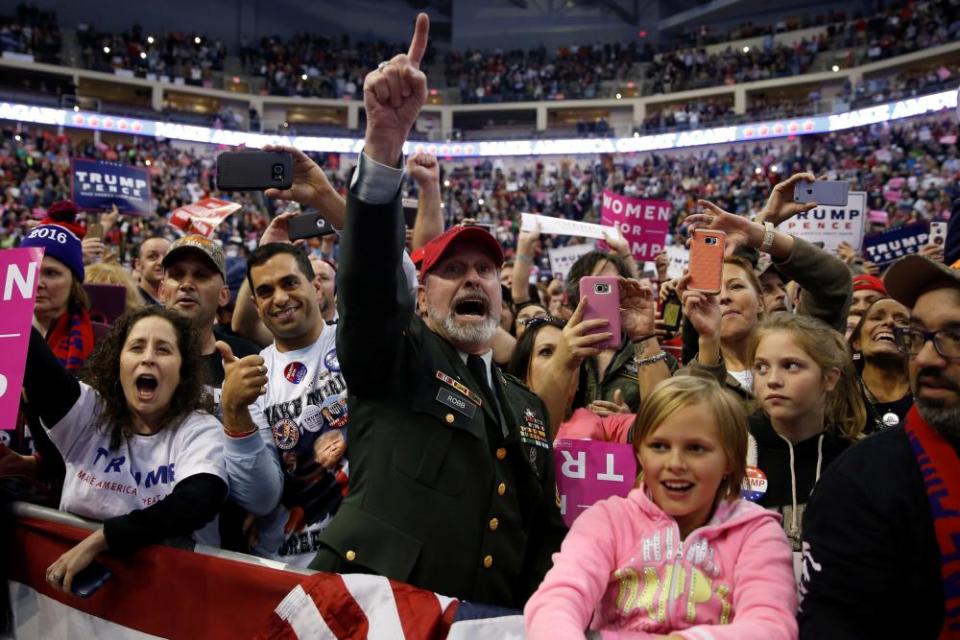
254	170
672	312
706	260
308	225
832	193
938	234
602	294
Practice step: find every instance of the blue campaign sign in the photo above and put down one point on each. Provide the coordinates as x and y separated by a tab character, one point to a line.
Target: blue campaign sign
98	185
883	249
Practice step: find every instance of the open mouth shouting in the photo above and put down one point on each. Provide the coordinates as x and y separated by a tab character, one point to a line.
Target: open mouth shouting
146	384
885	335
473	305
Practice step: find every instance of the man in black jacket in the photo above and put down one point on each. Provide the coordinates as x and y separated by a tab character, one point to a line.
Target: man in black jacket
871	561
451	472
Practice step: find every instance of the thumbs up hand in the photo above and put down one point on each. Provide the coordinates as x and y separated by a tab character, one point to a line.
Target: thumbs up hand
245	379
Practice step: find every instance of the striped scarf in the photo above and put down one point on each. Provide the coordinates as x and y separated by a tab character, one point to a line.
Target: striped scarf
71	339
940	468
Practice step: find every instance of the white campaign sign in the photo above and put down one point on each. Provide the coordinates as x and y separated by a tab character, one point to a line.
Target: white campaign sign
832	225
562	258
562	227
679	261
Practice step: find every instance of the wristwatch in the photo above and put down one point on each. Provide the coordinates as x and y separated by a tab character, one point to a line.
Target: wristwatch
768	233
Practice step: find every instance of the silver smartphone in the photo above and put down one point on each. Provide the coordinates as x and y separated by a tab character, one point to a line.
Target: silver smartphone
824	192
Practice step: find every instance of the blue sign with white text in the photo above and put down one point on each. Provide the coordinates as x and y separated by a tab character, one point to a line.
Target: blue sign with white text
99	185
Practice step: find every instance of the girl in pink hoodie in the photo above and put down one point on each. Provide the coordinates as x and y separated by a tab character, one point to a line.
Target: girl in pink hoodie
682	556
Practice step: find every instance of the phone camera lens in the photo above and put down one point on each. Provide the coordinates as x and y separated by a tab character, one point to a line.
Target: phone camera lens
710	241
602	288
278	172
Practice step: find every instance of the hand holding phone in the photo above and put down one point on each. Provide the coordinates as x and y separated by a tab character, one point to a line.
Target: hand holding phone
833	193
308	225
706	260
88	580
602	294
254	170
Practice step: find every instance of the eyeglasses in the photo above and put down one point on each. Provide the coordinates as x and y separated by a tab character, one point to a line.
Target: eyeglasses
945	341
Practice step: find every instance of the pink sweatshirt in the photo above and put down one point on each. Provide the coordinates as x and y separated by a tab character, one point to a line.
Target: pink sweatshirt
623	571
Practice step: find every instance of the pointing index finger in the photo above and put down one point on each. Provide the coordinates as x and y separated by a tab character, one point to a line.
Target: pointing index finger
418	45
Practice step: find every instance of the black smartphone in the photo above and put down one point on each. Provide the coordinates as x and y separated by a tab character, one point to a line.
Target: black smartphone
308	225
410	211
86	583
672	312
254	170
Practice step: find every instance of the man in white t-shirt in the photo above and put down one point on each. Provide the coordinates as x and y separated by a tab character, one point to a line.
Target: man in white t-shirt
277	405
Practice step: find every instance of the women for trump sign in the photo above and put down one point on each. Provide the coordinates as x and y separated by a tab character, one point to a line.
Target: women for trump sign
644	223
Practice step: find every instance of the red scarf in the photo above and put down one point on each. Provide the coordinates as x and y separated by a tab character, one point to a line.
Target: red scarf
940	468
71	339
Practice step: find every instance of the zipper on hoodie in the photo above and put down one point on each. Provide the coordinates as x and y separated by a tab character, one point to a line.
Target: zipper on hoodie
678	560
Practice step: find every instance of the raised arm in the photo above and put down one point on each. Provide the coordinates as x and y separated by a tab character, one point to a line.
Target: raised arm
374	304
425	170
526	252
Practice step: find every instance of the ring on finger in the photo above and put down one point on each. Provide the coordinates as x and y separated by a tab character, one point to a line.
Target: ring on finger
381	66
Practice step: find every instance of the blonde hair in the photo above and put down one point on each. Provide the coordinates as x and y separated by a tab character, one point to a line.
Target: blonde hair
844	407
679	392
113	273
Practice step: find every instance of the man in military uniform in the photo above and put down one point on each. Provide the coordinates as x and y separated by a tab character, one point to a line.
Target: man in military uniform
451	472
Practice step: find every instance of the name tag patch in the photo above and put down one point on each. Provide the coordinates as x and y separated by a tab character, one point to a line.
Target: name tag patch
456	402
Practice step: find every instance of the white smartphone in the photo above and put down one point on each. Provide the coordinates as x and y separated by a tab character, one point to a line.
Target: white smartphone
938	234
823	192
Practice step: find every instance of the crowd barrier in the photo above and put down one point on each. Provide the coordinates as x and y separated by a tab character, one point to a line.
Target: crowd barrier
165	592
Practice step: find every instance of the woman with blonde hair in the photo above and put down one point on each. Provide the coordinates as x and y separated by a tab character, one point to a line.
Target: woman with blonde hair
113	273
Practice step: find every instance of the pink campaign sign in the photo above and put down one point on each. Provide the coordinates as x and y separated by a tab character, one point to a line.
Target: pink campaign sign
589	471
19	274
644	223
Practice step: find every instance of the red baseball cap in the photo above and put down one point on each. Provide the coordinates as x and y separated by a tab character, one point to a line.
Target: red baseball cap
436	249
866	282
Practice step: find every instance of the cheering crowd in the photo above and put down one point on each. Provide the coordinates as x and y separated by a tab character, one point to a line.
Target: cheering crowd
385	400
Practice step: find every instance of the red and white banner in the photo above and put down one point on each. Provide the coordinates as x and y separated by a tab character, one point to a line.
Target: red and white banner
162	592
203	216
644	223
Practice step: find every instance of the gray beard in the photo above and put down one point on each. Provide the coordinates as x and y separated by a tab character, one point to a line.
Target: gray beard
946	420
472	336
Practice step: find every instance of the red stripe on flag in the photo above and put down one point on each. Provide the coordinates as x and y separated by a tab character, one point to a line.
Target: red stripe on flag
336	604
420	613
166	592
277	629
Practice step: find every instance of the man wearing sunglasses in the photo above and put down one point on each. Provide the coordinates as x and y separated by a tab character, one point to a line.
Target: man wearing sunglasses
881	550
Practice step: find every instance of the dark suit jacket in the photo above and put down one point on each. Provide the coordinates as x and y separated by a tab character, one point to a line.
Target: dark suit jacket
438	497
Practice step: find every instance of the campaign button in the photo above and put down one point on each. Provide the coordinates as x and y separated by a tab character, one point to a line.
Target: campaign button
295	372
312	418
286	434
754	484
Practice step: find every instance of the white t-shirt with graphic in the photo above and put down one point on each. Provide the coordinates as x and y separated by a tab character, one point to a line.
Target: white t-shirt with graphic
142	471
303	408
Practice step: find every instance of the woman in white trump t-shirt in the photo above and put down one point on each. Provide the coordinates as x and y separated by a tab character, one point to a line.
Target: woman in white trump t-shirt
141	454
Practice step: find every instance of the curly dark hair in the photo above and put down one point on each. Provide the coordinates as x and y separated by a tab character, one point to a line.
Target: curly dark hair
102	372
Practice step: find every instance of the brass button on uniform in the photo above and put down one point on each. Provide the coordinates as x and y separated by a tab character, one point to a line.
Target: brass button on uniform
351	555
501	453
488	562
501	489
450	418
494	523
